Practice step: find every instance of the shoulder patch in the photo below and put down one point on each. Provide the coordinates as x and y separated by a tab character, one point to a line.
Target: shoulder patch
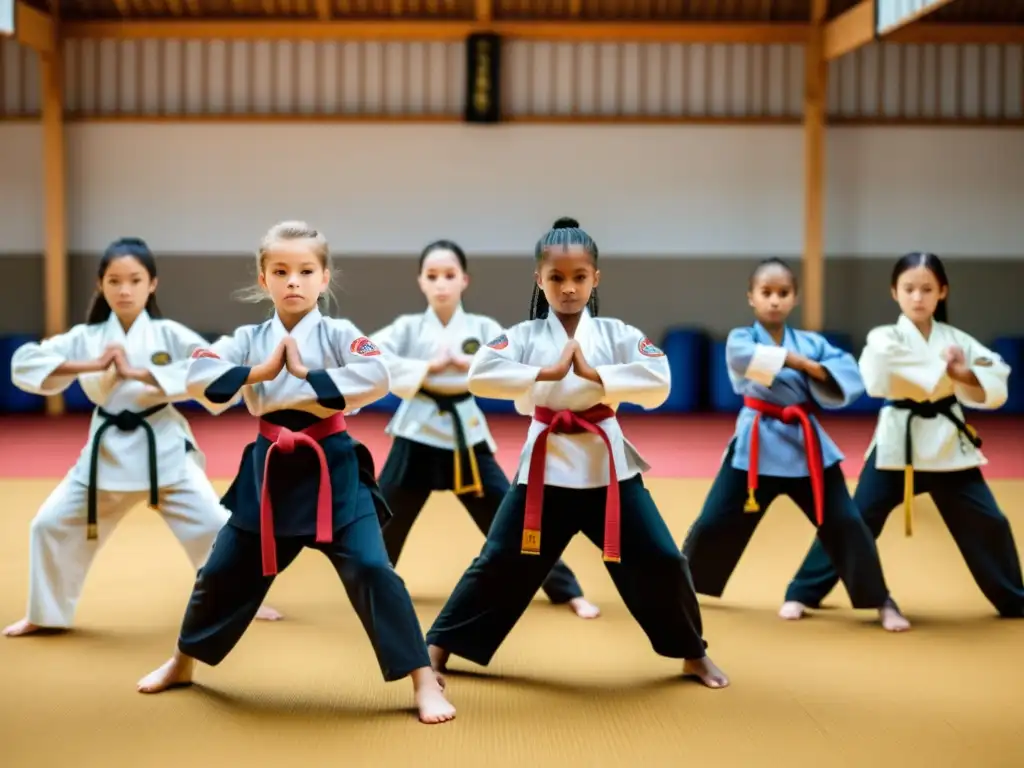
160	358
471	346
202	352
363	346
499	343
647	348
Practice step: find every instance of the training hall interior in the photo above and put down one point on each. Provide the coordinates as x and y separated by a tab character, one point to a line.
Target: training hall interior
691	139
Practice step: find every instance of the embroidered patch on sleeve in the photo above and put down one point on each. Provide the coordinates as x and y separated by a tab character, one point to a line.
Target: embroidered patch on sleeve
647	348
204	353
470	346
499	343
161	358
363	346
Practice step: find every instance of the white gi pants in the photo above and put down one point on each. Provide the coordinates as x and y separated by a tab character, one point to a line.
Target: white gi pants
60	555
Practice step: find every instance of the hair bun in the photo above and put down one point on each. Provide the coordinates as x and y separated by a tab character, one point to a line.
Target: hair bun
566	222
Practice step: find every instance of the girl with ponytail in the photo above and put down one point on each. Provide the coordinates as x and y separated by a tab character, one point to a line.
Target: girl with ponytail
927	371
570	369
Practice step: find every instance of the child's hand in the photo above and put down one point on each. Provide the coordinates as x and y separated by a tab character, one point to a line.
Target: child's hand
561	369
269	368
582	368
441	362
293	358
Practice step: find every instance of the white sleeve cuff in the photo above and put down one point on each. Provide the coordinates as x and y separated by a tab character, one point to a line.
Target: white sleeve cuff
765	363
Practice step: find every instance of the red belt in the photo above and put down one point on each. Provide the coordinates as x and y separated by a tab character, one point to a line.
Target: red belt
286	441
790	414
570	423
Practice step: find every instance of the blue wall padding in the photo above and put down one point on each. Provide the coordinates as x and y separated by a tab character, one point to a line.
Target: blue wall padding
722	398
75	400
12	399
1011	349
686	349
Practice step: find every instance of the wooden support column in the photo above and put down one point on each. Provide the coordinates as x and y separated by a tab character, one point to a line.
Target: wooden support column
815	104
55	258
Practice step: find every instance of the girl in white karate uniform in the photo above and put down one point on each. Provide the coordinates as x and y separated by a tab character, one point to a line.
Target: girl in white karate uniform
304	482
131	363
441	439
927	370
569	370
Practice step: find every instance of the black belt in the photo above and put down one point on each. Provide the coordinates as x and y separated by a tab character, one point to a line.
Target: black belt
925	410
126	421
463	450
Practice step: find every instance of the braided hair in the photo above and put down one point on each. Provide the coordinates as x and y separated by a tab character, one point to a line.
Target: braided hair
565	233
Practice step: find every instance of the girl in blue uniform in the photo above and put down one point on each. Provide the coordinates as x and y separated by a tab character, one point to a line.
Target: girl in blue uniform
779	448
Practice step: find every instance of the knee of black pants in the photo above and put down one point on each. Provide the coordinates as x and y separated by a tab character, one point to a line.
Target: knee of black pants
370	569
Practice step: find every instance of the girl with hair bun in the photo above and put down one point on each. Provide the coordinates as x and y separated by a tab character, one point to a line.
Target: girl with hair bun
441	438
569	369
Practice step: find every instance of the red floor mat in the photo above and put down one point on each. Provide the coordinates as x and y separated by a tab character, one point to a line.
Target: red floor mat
675	446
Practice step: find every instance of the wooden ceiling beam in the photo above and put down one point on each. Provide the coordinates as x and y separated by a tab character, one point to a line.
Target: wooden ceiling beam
841	35
850	30
958	34
34	29
424	31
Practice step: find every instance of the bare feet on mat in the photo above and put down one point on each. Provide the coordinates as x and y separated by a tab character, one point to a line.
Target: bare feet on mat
706	671
430	701
20	628
266	613
892	619
176	672
584	608
791	610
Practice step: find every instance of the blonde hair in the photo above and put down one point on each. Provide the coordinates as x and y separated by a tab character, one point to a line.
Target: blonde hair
288	231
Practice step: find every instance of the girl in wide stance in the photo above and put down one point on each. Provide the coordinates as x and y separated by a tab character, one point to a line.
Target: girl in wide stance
569	369
131	363
304	482
441	439
780	448
925	369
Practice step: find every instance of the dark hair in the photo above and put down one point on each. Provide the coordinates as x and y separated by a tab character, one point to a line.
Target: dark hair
565	233
933	264
773	262
445	245
99	309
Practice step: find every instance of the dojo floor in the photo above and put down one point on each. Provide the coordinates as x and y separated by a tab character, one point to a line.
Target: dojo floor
833	690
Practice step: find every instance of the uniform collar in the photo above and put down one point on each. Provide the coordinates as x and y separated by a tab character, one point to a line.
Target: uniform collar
302	329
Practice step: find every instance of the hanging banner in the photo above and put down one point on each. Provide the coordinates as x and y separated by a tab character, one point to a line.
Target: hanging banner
890	15
7	17
483	78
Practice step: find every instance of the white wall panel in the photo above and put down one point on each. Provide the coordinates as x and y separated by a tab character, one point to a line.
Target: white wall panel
668	190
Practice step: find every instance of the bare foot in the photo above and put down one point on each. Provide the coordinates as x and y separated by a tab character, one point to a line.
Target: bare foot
175	672
266	613
19	628
791	610
438	662
892	619
430	701
706	670
584	608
